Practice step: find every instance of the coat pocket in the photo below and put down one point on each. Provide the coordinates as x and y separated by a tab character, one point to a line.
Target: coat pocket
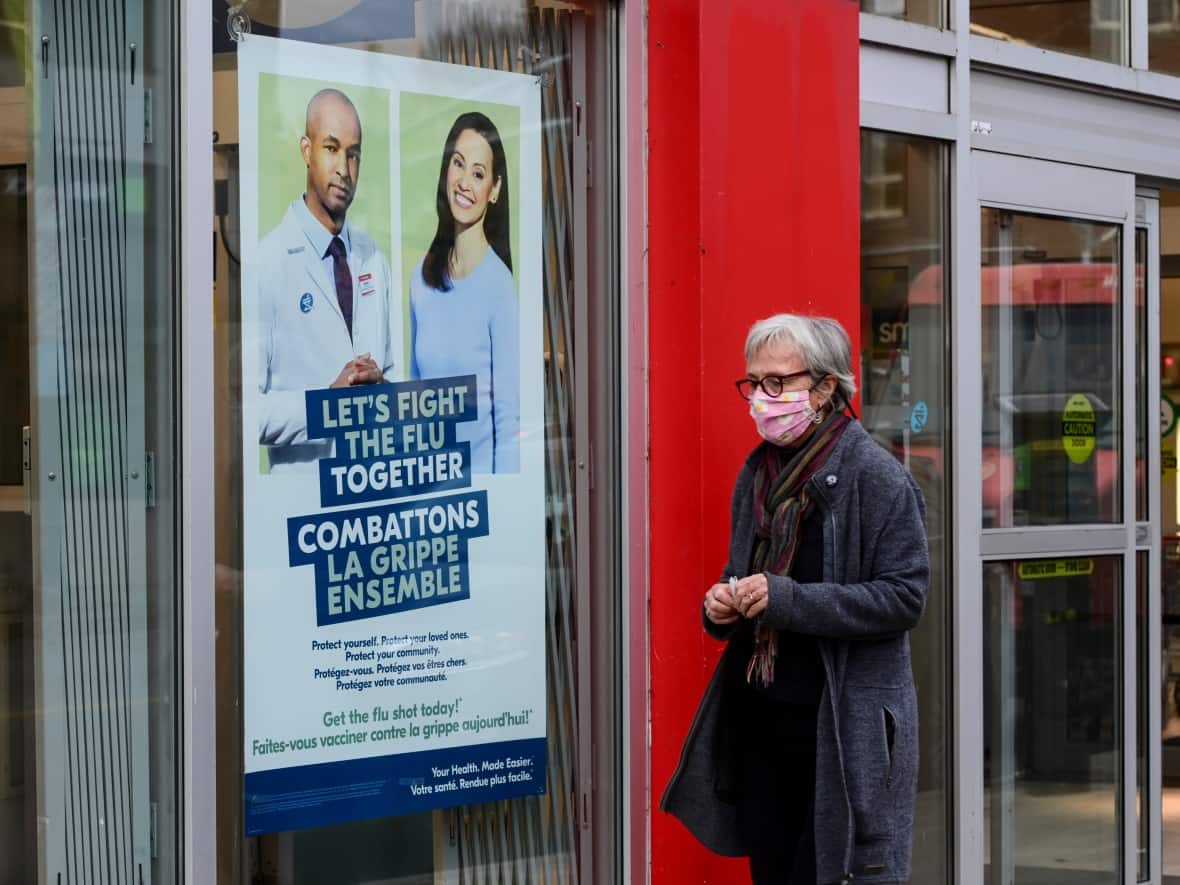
875	749
889	722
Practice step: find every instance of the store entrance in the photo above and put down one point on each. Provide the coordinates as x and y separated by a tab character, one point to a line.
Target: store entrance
1168	277
1065	540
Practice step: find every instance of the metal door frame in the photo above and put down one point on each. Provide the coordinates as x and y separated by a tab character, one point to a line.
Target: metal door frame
1147	217
1054	189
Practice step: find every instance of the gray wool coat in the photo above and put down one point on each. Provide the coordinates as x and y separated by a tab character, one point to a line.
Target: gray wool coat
876	571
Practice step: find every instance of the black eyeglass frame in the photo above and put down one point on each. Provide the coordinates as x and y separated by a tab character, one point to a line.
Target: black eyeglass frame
742	383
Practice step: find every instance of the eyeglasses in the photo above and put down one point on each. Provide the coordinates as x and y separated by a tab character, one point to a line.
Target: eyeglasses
772	385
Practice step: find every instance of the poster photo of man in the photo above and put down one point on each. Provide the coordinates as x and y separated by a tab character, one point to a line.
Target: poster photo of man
326	309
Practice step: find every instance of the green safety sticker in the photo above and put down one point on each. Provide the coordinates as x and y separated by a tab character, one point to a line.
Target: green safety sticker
1077	428
1022	467
1055	568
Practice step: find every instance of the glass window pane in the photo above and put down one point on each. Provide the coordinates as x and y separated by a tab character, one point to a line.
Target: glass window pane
1093	28
534	837
904	401
1163	36
14	323
1052	437
1166	600
923	12
89	641
1141	404
1052	720
13	28
1142	710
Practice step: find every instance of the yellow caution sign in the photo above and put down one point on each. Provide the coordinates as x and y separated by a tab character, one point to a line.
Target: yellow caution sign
1167	461
1077	428
1032	570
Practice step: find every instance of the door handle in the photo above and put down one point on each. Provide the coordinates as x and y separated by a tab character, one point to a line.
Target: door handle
26	444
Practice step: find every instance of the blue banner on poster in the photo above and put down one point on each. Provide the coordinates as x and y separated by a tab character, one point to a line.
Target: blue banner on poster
382	786
382	560
393	440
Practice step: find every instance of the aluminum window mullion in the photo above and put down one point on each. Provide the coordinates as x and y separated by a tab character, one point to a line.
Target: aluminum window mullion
1032	61
966	508
1138	34
584	581
197	712
908	121
1035	544
1127	455
913	36
1152	614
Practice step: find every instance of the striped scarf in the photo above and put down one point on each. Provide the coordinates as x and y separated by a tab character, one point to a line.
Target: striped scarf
780	505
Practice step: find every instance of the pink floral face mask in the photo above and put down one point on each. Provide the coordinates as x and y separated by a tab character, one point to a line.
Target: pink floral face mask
782	419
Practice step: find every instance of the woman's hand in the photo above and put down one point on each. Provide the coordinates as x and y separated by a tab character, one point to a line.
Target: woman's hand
719	607
752	595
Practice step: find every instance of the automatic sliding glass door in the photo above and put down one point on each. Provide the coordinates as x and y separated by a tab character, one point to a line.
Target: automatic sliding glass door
1057	514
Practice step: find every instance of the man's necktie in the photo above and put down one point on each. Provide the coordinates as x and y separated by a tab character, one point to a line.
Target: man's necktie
343	280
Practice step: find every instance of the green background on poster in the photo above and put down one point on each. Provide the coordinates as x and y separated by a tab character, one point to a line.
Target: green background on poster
282	109
426	121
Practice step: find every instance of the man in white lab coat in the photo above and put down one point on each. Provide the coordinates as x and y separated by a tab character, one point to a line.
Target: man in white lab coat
325	292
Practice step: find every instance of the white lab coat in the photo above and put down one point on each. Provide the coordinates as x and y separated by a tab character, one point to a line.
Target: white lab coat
302	338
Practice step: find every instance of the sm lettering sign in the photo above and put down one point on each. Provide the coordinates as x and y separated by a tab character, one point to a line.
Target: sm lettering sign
892	333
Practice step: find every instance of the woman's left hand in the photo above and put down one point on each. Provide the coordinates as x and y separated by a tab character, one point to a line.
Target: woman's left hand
753	595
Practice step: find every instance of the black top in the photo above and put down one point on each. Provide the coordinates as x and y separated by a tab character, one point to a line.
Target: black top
798	669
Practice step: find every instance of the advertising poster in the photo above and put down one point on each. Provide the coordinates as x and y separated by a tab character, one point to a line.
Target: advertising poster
392	435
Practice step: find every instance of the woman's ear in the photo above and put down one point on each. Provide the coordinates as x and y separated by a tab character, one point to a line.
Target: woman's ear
826	390
495	194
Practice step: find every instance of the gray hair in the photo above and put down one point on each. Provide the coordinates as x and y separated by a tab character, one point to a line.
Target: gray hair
821	343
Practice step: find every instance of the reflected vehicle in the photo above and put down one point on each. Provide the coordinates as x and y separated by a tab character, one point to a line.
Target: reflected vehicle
1058	320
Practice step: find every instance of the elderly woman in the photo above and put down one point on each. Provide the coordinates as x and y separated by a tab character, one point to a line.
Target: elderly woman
803	755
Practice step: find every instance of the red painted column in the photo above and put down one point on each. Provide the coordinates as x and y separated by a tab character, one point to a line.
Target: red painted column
753	209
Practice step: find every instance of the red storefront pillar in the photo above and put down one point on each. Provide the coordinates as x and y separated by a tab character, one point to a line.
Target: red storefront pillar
752	201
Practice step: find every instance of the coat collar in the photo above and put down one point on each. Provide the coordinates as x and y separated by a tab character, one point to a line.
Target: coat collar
318	236
853	437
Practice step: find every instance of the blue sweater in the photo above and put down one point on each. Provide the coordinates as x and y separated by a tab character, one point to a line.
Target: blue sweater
474	329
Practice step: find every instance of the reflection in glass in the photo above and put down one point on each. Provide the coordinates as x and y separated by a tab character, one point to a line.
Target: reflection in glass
1141	404
14	322
18	771
1142	710
1093	28
13	30
923	12
1052	751
526	840
1163	36
18	778
904	403
1050	294
89	640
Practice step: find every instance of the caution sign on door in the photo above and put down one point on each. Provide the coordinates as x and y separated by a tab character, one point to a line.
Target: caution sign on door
1077	428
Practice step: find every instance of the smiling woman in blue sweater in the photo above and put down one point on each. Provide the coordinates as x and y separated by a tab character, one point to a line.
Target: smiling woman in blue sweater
463	307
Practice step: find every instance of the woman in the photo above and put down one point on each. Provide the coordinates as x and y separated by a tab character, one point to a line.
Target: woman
803	755
463	310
